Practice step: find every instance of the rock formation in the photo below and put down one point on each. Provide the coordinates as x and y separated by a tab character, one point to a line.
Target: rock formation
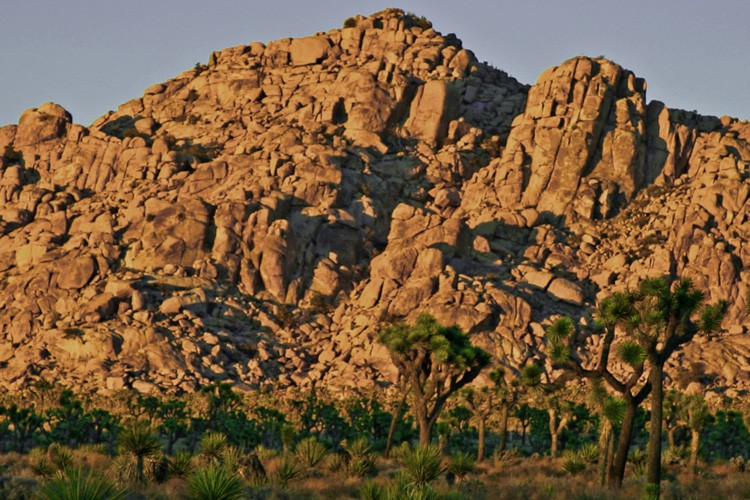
254	219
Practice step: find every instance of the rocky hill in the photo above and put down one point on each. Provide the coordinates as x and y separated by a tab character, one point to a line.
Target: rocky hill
255	218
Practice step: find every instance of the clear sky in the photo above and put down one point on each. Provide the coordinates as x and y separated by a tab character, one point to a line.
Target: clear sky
92	55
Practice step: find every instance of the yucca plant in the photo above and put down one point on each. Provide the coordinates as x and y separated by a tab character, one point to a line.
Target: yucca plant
423	465
370	490
310	452
589	453
359	447
574	464
361	460
263	453
181	465
76	484
461	465
638	460
233	459
403	489
40	464
212	447
335	462
401	450
139	441
286	471
214	483
61	457
361	466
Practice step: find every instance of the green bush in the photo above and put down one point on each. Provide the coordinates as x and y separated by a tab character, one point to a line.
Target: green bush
350	23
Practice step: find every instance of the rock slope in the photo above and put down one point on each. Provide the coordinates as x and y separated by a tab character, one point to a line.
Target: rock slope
255	218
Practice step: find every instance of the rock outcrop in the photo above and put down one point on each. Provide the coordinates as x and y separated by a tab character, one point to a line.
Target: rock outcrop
255	219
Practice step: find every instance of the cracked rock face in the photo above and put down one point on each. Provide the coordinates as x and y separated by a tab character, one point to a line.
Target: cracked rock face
256	218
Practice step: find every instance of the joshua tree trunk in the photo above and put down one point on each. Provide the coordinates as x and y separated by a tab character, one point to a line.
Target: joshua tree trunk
394	423
425	429
605	445
553	432
623	444
482	431
503	427
695	437
670	437
654	444
140	466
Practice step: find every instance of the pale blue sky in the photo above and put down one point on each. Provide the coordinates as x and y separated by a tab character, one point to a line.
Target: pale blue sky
91	55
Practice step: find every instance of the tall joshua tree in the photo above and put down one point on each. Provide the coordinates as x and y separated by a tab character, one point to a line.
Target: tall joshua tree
657	319
435	362
562	345
668	317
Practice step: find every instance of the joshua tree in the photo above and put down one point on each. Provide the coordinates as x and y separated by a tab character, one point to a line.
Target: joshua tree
550	396
435	361
611	411
508	394
697	414
482	402
674	405
396	415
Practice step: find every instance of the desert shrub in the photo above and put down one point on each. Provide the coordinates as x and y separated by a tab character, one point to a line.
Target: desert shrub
214	483
76	484
319	303
11	156
418	21
350	23
285	316
738	464
131	132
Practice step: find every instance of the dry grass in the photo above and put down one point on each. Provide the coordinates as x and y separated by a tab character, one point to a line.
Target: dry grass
524	478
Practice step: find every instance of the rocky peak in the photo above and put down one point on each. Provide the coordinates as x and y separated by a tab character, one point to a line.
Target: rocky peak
255	218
